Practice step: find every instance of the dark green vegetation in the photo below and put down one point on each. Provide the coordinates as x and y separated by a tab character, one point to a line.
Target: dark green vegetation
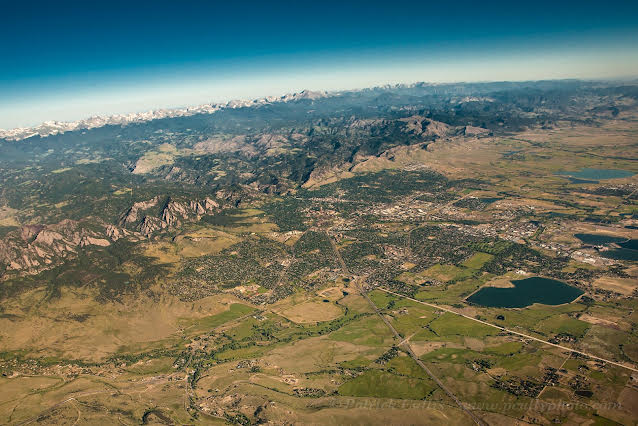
382	187
526	292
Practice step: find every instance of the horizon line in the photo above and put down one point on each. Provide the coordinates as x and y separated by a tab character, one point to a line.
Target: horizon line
279	97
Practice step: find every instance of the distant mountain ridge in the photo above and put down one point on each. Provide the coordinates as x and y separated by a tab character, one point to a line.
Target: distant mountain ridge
49	128
456	93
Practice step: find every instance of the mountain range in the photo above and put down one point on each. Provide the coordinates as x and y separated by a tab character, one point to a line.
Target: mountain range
49	128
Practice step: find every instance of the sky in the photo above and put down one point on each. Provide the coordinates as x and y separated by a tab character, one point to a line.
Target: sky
68	60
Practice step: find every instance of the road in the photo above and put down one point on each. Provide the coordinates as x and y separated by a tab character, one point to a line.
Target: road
507	330
59	404
403	343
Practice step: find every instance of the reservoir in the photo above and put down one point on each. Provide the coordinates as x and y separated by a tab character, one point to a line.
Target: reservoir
621	254
630	245
628	248
525	293
597	174
599	239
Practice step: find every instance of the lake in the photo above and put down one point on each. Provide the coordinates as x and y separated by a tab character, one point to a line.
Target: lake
599	239
628	248
629	244
581	181
621	254
597	174
525	293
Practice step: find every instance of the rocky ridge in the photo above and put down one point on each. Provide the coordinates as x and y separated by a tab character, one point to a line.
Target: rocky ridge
34	248
156	214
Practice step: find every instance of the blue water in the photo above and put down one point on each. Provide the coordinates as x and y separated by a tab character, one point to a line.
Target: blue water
598	239
580	181
621	254
628	248
525	293
630	244
597	174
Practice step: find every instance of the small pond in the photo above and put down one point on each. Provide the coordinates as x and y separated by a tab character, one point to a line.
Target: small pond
594	175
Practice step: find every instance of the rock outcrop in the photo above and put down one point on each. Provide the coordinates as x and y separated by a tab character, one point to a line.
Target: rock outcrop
151	216
427	128
34	248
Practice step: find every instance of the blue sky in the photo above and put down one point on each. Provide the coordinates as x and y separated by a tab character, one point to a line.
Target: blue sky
69	60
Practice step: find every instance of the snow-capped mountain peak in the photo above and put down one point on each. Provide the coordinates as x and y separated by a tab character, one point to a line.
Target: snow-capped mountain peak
49	128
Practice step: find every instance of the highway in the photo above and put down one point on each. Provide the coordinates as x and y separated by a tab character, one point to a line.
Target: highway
403	343
507	330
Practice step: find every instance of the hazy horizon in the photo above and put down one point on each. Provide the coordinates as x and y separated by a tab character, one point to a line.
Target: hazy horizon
74	61
152	107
